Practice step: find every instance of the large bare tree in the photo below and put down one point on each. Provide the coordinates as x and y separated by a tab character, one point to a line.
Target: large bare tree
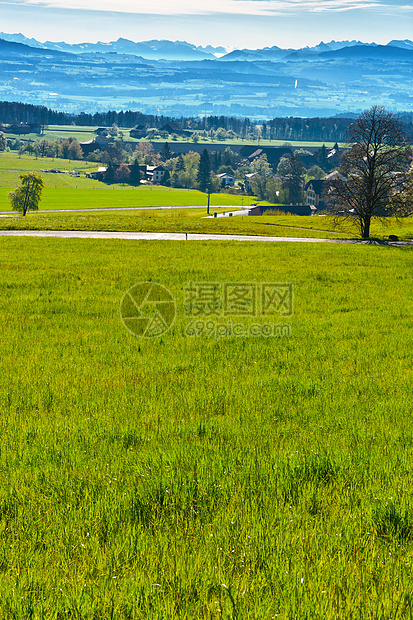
373	171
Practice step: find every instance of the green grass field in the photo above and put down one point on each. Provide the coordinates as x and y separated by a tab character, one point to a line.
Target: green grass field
100	196
202	477
82	134
240	142
11	166
63	191
11	162
190	221
194	221
55	132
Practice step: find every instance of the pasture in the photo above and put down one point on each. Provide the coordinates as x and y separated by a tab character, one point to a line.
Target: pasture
201	477
189	220
101	196
82	134
169	220
64	191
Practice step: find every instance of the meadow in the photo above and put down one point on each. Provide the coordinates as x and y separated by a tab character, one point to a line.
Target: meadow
205	477
170	220
11	161
101	196
195	221
63	191
12	166
82	134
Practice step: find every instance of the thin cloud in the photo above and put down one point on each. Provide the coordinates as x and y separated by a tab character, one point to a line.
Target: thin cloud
235	7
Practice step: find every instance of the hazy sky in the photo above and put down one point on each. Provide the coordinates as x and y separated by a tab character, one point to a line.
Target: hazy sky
231	23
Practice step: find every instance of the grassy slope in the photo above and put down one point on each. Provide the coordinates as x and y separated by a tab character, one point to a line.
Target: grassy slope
140	476
63	191
193	221
11	166
100	196
10	161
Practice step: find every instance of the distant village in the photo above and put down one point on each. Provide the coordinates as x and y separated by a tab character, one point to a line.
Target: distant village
251	169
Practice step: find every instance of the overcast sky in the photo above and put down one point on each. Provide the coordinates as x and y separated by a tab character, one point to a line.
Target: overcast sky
231	23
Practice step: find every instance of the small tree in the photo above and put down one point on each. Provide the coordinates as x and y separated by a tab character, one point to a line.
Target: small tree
109	175
293	180
166	179
45	148
75	150
273	189
373	171
179	169
204	172
321	157
27	196
166	152
220	134
29	148
315	172
122	173
262	170
113	131
283	167
180	163
64	149
135	173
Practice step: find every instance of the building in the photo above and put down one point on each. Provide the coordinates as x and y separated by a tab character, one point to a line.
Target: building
96	144
23	128
139	131
98	175
153	174
226	180
247	182
273	153
314	191
172	128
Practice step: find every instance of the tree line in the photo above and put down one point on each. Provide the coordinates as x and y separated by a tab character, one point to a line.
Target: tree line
311	129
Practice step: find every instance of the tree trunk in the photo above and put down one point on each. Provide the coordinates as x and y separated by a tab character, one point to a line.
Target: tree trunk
365	228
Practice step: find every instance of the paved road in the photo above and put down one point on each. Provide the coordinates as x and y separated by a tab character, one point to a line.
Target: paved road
89	234
239	212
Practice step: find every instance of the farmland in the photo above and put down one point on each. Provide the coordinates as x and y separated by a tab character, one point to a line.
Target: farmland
101	196
185	477
66	191
194	221
82	134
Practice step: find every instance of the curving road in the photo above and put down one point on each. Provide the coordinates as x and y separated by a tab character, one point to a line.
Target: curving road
90	234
